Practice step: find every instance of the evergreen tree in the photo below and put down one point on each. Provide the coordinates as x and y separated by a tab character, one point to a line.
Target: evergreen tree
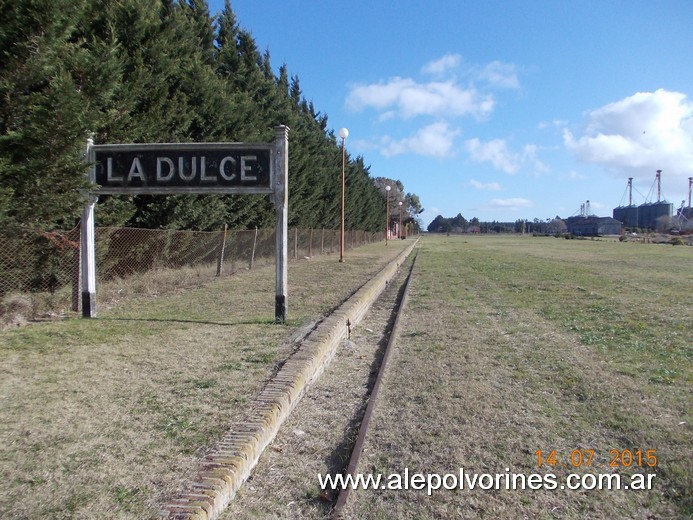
168	56
202	27
227	60
42	109
157	71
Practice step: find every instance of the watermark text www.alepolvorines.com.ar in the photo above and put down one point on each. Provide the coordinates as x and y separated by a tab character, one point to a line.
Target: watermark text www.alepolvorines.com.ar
486	481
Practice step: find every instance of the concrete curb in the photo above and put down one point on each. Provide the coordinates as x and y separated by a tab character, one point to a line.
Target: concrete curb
224	470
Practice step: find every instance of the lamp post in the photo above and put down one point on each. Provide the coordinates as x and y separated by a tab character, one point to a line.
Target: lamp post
399	229
343	133
387	212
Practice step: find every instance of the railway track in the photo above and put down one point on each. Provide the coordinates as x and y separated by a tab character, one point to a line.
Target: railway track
326	432
352	468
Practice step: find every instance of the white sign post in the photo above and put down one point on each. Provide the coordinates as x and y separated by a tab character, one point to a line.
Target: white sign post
281	203
196	168
88	249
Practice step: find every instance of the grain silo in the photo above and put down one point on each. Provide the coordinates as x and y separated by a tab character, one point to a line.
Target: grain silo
650	215
655	215
628	215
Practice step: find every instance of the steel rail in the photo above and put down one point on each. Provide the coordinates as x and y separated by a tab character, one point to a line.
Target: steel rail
365	422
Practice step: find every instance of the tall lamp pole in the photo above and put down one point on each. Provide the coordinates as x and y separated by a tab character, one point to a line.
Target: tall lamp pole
387	212
399	229
343	133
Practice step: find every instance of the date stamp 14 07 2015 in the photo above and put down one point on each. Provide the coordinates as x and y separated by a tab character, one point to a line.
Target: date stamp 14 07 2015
585	458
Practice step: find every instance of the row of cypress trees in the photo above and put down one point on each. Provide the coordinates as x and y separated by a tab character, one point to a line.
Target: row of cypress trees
155	71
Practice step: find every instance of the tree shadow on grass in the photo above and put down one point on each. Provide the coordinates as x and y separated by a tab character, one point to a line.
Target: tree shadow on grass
258	321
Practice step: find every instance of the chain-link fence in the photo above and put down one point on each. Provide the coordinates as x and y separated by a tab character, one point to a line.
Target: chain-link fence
26	259
39	271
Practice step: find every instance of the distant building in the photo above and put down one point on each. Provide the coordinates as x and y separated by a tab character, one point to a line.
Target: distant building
655	215
652	215
628	215
593	226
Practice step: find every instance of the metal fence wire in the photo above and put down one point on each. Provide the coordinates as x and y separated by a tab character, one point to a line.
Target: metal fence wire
32	262
47	263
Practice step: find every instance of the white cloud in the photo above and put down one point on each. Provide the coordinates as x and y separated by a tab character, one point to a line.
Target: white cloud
496	152
637	135
443	100
494	186
513	203
499	74
435	140
529	155
556	123
407	98
495	73
442	65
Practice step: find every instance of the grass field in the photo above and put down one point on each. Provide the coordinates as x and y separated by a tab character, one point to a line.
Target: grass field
107	418
510	345
514	345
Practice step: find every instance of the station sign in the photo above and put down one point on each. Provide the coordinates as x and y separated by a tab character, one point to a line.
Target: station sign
188	168
194	168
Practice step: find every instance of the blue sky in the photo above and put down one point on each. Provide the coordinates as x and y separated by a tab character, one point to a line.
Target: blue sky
497	109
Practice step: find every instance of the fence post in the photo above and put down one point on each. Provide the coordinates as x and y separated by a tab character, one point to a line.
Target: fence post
295	243
252	254
310	244
222	248
165	260
76	269
322	241
234	243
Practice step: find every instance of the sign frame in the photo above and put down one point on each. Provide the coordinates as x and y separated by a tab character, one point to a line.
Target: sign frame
144	151
275	158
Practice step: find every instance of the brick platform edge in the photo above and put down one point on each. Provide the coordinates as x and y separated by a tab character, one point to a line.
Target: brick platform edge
224	470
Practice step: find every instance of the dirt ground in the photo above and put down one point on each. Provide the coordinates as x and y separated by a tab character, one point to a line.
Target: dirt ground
484	376
506	350
319	434
108	418
510	349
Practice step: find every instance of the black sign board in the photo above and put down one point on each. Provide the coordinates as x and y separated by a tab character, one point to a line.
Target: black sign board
183	168
194	168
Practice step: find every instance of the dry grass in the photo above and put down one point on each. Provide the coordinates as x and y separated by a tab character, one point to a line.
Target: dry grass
107	418
319	435
509	345
516	345
20	309
14	310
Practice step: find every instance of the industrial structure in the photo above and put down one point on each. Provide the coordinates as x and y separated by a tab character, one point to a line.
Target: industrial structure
593	226
683	220
649	215
590	225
